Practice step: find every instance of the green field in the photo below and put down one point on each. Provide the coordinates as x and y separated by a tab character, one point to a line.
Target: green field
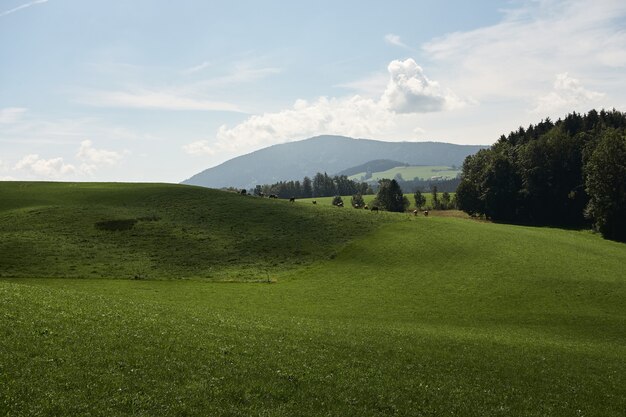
392	315
369	199
410	172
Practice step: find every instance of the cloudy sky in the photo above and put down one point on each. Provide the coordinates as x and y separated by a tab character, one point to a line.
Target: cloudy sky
157	90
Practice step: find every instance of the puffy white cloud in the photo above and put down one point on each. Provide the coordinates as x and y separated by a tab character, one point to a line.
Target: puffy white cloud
408	91
353	116
44	168
88	154
568	94
11	114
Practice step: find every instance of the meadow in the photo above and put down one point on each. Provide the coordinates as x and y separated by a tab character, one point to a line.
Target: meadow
393	315
369	199
410	172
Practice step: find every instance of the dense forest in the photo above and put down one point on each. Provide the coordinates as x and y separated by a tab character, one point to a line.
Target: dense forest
570	173
322	185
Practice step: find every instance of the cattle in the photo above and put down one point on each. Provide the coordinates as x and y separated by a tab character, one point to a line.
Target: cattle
243	192
374	209
415	212
426	213
314	201
273	196
292	200
366	207
340	204
261	195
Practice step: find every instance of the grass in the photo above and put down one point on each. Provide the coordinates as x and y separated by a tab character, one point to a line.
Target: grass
411	172
369	199
416	316
84	230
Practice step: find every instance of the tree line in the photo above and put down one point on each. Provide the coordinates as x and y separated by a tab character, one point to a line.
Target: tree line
321	185
571	172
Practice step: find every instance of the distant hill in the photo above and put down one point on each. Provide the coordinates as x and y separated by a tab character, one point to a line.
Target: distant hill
331	154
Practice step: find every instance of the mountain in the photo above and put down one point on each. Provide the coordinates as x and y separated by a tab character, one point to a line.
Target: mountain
331	154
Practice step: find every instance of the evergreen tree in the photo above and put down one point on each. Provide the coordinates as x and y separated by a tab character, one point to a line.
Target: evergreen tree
420	200
390	196
307	188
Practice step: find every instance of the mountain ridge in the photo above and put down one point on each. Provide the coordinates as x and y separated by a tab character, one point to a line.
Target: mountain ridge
326	153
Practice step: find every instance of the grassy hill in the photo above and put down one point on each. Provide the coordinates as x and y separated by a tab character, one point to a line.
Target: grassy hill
167	231
400	316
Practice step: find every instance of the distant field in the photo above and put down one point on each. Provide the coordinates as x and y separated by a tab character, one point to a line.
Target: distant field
400	315
327	201
411	172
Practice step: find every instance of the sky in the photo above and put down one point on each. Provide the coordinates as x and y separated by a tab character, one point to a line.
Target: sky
156	90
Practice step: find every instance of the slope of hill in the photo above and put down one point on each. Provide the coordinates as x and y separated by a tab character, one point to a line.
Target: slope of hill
331	154
160	231
423	316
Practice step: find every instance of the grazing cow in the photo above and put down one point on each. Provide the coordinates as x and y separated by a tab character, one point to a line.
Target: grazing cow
426	213
314	201
261	195
340	204
292	200
243	192
375	209
366	207
415	212
273	196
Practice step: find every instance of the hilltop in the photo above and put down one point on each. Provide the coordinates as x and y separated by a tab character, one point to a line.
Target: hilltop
331	154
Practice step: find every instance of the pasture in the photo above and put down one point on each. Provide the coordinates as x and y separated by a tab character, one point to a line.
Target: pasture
327	201
393	315
410	172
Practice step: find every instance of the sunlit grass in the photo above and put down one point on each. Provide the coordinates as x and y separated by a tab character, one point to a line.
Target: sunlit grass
414	316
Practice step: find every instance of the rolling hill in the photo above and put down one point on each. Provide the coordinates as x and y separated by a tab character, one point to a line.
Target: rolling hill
335	312
331	154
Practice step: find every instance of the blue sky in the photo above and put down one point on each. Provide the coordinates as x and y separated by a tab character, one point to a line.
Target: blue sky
159	90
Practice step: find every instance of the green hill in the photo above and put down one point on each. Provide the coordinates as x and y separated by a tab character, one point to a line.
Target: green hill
388	314
173	231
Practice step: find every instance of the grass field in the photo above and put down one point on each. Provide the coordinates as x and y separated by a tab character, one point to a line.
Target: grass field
404	316
327	201
411	172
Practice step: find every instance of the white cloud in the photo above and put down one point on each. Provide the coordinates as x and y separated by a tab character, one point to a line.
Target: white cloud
513	58
568	94
23	6
44	168
392	39
11	114
408	91
88	154
146	99
199	147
